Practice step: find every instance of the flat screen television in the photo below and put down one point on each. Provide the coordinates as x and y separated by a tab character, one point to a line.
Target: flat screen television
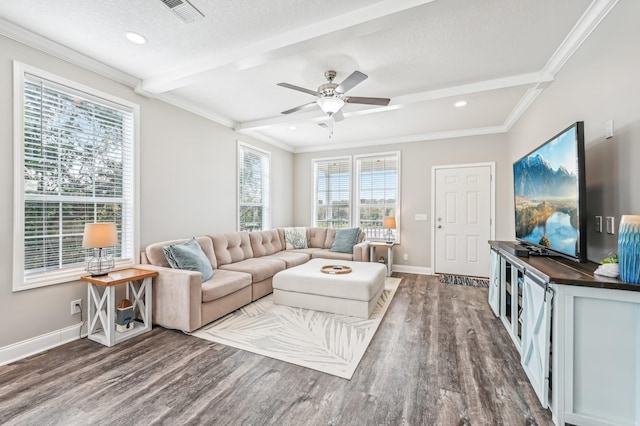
550	196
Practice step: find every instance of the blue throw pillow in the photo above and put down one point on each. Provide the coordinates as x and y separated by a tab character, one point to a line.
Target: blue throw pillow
345	240
190	257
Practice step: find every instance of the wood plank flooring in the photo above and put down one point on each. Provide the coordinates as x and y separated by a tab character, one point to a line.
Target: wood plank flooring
440	357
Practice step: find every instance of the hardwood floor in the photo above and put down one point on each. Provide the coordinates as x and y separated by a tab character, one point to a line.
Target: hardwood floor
440	357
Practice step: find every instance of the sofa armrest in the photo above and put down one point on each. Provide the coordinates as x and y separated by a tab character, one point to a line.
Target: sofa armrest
177	298
361	252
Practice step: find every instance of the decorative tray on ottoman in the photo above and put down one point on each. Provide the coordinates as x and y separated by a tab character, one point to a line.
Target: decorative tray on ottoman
336	269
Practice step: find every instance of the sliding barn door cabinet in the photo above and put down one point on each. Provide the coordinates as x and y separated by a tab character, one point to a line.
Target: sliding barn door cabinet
578	335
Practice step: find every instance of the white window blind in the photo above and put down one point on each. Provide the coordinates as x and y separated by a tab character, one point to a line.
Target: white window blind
253	189
76	166
378	192
332	197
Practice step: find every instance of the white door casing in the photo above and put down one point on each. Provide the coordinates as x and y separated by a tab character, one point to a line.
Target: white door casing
462	218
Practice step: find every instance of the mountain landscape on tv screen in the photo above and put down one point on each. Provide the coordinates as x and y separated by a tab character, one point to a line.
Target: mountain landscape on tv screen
536	178
546	204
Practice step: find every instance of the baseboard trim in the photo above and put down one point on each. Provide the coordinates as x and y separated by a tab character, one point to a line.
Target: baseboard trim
35	345
420	270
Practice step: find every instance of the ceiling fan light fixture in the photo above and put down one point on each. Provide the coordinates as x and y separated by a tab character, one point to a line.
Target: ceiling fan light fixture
330	104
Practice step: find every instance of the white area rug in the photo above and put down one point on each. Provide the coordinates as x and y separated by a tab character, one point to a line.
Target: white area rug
326	342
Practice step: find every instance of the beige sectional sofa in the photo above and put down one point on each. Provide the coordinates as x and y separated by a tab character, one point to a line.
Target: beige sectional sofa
244	264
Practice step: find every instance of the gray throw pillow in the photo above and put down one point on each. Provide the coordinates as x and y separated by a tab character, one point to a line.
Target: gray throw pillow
190	257
345	240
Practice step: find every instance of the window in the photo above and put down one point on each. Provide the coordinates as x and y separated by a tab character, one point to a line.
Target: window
253	188
376	195
332	195
378	189
74	164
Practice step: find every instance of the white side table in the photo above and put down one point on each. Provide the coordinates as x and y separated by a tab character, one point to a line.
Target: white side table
389	247
102	307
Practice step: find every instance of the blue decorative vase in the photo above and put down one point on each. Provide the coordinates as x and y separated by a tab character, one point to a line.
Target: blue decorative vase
629	248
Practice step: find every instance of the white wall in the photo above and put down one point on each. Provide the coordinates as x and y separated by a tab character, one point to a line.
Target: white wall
417	161
600	82
187	187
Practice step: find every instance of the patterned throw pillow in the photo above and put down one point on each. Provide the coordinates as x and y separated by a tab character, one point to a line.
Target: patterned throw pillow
295	238
189	256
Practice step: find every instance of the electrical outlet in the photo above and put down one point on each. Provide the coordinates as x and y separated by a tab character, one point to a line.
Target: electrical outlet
598	223
76	306
406	257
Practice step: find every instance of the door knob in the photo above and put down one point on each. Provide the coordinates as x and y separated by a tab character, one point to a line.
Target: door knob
439	226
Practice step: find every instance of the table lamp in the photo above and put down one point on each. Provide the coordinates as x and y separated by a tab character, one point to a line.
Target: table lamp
389	223
98	236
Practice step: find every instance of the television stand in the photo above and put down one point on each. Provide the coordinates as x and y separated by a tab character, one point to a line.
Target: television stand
571	328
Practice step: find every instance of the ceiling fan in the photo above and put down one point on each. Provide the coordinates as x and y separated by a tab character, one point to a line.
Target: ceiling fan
331	96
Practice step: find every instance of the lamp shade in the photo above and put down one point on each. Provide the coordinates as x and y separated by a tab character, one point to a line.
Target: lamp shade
330	105
389	222
99	235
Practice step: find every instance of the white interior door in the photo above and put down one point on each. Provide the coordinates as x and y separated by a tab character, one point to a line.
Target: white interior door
462	220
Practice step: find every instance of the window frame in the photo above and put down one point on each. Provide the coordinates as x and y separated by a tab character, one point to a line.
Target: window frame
266	210
354	188
130	241
314	183
356	195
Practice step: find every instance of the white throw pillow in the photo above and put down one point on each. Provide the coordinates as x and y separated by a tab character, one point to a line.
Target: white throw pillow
295	238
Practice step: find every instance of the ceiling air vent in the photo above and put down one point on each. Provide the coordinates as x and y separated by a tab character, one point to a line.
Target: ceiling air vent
183	10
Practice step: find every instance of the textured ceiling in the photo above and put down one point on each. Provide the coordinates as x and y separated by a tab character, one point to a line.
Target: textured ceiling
498	55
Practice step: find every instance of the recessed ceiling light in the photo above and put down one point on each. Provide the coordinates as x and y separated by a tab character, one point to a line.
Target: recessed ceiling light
292	127
135	38
460	103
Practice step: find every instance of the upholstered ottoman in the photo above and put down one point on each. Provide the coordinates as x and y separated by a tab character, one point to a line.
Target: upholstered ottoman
355	293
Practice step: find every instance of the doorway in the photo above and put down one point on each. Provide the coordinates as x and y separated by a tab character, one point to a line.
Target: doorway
462	213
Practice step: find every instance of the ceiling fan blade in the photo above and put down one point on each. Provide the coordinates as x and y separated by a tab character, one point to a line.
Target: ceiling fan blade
299	89
338	116
352	81
300	108
367	101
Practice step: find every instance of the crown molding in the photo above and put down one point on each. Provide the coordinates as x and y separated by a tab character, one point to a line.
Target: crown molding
588	22
28	38
270	141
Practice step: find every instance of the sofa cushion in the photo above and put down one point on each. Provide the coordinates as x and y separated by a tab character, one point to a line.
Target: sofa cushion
331	255
330	238
292	257
155	254
295	238
189	256
224	283
264	243
345	240
232	247
260	268
317	237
